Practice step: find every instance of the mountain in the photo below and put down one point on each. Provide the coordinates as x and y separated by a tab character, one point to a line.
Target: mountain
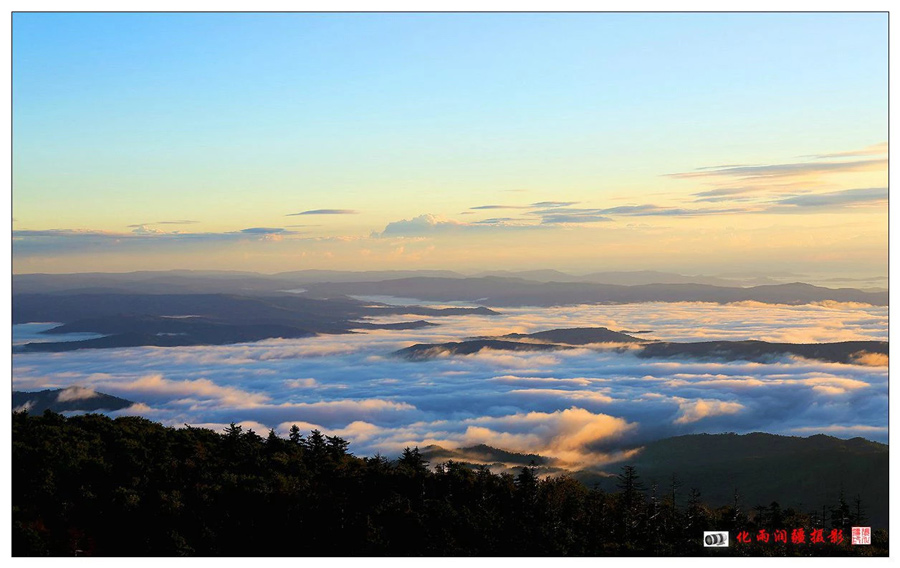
848	352
630	278
67	399
797	472
498	288
803	473
168	320
200	281
576	336
89	485
307	276
483	454
637	278
424	351
509	292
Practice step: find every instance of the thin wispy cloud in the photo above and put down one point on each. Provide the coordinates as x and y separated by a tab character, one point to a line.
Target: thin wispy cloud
573	218
24	233
873	150
554	204
744	193
325	212
179	222
782	171
595	215
264	230
500	221
435	225
649	210
500	207
845	198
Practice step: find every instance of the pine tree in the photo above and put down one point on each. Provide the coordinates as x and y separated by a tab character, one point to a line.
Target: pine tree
413	460
336	446
632	500
295	436
859	513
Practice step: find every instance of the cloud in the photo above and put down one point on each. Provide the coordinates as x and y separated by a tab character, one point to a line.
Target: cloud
302	383
325	212
538	205
750	192
499	207
423	224
178	222
554	203
432	225
871	359
648	210
595	215
786	187
264	231
573	219
569	435
155	387
782	171
23	233
694	410
501	221
145	230
75	393
28	242
844	198
727	192
873	150
584	407
795	203
843	430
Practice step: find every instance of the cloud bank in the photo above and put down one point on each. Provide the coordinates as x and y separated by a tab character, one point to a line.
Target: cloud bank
583	407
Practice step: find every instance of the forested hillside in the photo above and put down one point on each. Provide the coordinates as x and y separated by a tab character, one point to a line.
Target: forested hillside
91	485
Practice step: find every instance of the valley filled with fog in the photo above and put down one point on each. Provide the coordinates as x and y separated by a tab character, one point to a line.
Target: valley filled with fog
585	407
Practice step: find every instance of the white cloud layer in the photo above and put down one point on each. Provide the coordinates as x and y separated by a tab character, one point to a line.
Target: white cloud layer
582	406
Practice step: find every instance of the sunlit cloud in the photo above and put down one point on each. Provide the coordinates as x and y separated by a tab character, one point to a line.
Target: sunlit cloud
75	393
694	410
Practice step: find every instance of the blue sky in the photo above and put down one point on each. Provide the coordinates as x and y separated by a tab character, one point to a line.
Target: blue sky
235	121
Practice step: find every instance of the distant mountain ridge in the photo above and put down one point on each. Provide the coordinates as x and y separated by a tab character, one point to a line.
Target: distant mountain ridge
73	398
511	292
848	352
501	288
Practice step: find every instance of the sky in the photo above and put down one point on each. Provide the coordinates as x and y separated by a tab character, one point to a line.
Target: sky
693	143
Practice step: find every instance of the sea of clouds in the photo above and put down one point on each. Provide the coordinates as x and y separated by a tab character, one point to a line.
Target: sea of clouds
585	407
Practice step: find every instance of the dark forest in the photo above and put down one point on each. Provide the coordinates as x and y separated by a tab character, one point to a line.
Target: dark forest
92	485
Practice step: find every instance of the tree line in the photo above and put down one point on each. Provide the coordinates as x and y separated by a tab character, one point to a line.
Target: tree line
92	485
